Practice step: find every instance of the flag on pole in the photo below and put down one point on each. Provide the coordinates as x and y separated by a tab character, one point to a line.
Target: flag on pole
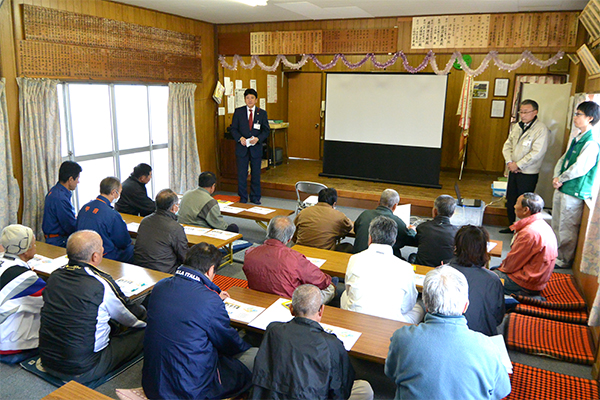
464	110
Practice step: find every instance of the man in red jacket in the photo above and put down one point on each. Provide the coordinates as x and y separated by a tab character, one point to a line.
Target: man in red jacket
527	267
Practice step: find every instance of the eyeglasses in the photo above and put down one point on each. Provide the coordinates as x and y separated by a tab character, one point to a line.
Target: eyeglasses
578	114
526	112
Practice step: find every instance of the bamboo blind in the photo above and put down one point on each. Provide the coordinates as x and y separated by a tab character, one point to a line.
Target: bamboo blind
70	45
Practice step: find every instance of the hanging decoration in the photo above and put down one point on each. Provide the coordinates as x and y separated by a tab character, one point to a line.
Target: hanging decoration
429	59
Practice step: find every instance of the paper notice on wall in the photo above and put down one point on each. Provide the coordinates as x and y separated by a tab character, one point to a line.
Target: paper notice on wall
262	103
230	104
221	110
271	88
238	84
253	84
239	97
228	86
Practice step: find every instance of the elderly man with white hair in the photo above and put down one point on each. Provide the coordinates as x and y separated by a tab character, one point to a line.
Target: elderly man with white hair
299	360
20	294
441	358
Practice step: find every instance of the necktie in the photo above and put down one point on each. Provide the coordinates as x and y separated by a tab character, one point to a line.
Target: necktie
250	120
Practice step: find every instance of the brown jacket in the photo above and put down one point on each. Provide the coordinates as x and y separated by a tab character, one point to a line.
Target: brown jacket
320	226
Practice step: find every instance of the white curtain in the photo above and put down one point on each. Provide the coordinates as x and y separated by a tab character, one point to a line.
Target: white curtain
40	143
184	163
9	195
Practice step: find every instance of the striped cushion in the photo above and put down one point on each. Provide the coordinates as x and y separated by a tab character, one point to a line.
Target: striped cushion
534	383
544	337
572	316
225	282
560	293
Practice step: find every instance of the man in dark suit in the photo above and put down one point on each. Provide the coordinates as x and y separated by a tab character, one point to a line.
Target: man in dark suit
250	128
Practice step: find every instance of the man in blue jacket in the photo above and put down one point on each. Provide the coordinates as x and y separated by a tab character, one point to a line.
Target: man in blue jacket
250	128
191	351
98	215
59	214
441	358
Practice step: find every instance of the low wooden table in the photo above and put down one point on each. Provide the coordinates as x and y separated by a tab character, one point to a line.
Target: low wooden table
115	269
497	250
75	391
372	345
194	239
261	219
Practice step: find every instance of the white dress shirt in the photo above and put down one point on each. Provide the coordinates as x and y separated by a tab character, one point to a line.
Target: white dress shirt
381	284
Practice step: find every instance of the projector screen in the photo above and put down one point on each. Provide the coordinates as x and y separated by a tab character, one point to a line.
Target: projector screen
384	127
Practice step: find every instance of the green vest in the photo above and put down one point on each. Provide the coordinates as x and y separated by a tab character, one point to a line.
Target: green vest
579	187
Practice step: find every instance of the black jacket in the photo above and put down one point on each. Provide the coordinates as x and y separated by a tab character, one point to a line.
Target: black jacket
436	241
161	242
79	301
134	199
299	360
486	299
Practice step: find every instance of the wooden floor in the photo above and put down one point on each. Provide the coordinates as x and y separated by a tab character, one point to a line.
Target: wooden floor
281	180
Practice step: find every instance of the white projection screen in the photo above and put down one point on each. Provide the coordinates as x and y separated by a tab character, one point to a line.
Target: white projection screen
384	127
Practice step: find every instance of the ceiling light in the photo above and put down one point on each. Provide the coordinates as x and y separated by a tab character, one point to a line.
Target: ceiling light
253	3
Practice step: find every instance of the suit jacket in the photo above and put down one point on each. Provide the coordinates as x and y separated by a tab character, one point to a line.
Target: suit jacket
240	128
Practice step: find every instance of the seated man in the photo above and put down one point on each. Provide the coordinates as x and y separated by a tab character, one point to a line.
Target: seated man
321	225
59	214
387	205
134	197
199	208
98	215
161	242
435	238
441	358
20	293
76	342
379	283
275	268
486	294
190	350
529	264
299	360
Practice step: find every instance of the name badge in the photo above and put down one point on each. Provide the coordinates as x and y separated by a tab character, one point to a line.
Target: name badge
257	126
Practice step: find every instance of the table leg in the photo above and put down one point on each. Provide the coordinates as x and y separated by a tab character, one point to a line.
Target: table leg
262	224
228	259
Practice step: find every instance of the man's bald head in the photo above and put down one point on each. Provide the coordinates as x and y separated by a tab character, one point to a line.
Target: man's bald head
82	245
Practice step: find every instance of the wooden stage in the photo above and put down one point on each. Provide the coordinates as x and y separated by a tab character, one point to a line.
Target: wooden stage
280	182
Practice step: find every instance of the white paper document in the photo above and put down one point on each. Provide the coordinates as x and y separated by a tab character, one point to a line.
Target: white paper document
47	265
231	210
260	210
419	279
242	312
195	230
224	203
498	340
133	226
230	104
277	312
347	336
219	234
403	212
317	261
131	287
490	246
311	200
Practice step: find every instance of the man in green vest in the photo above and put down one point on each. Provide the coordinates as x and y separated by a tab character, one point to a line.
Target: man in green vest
574	176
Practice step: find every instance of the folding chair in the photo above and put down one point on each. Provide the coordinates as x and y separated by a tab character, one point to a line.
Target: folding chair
308	188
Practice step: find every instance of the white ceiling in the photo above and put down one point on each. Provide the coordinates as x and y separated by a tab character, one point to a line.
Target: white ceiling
231	11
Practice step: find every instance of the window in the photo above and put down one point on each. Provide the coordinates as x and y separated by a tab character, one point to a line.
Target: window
109	129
